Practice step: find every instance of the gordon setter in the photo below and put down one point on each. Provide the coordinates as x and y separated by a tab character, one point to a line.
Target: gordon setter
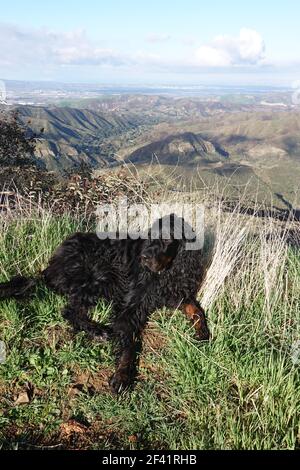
136	276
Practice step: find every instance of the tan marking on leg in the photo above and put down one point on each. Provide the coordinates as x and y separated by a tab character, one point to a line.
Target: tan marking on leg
197	317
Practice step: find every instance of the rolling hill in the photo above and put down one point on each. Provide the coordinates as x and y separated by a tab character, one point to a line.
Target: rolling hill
182	149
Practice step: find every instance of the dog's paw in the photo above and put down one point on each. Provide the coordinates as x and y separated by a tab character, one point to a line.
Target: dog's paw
120	382
200	326
201	329
203	335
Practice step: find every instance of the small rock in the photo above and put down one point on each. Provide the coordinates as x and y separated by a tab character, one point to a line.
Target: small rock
22	399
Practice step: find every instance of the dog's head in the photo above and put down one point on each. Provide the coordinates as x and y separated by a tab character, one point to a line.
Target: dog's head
157	255
161	247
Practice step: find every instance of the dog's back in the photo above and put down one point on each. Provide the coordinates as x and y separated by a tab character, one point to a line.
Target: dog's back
89	267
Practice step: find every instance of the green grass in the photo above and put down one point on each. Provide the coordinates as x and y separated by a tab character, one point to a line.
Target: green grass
239	391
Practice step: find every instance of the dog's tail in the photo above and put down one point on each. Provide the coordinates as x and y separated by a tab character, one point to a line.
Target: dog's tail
18	287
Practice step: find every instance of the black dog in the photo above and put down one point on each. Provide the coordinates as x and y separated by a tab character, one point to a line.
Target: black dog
136	276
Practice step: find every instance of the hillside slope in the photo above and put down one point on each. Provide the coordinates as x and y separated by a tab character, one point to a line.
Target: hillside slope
180	149
71	135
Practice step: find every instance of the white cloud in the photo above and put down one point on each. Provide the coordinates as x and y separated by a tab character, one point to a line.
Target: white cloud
46	48
45	51
83	54
23	46
154	37
189	41
209	56
246	49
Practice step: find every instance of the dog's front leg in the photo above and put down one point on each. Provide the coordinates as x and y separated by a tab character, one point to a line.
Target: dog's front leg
195	313
126	368
127	332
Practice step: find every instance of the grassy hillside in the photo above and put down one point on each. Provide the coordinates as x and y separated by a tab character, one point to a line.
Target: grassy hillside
239	391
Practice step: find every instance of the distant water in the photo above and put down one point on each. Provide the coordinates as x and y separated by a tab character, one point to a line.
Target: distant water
114	89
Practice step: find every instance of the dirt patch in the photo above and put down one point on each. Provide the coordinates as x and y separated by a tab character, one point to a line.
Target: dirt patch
91	383
75	436
58	335
72	435
153	339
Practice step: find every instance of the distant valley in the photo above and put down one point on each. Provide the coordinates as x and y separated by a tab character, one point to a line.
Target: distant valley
69	136
235	143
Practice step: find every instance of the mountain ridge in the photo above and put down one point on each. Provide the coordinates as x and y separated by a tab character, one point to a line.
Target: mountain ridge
71	136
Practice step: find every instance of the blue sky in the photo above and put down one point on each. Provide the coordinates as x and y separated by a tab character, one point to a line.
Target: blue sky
164	41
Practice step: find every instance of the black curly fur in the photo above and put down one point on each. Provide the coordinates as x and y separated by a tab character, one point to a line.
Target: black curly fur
136	276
